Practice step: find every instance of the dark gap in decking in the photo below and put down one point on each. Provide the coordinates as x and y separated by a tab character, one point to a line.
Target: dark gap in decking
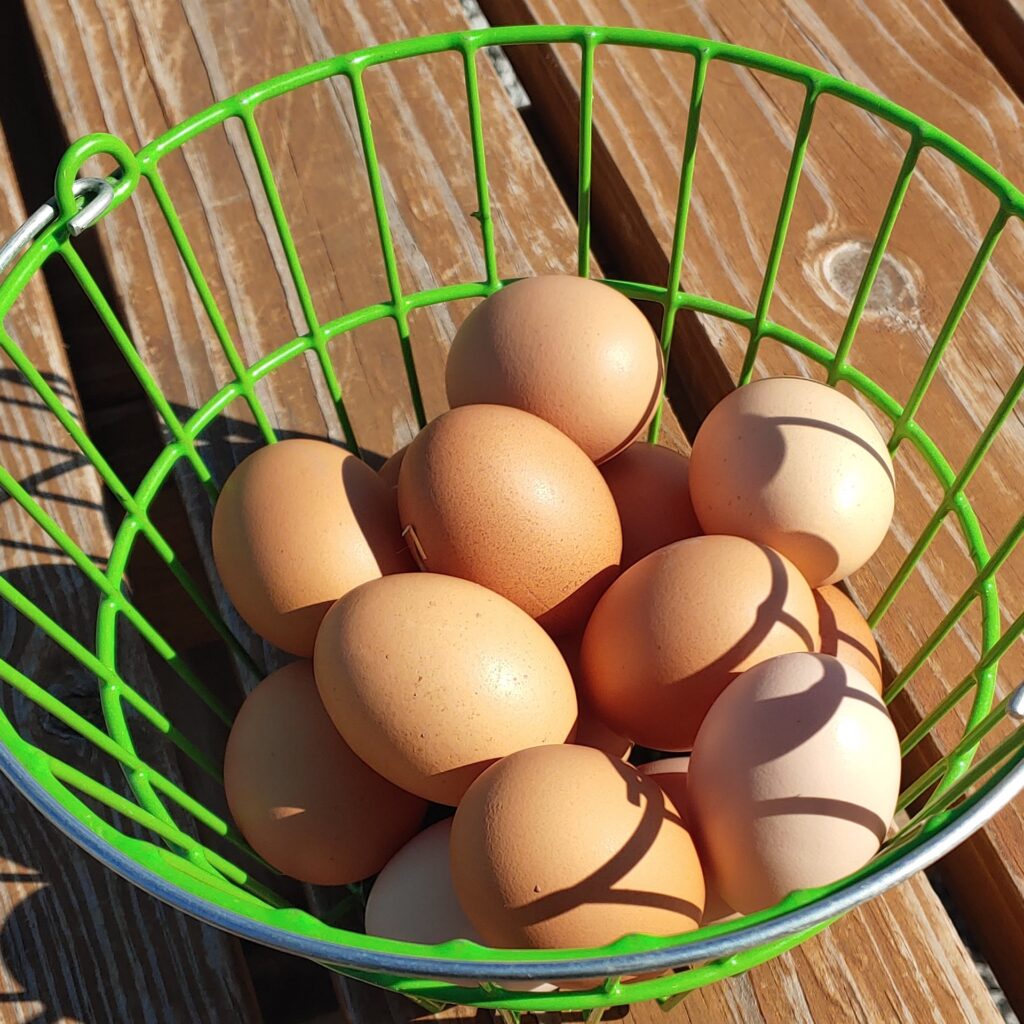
997	26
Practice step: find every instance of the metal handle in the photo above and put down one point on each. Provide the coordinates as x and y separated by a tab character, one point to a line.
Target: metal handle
102	194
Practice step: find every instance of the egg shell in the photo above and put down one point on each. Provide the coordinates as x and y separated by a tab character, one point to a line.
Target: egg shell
590	730
793	779
564	846
498	496
672	775
650	486
300	796
431	678
675	629
390	470
846	635
798	466
573	351
413	898
298	524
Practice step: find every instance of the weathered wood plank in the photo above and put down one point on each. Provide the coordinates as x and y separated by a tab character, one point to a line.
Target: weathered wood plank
173	58
997	26
77	942
907	52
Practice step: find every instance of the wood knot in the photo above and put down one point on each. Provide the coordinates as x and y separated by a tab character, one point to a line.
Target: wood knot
893	296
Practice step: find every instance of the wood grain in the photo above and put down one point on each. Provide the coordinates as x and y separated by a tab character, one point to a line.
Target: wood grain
77	943
918	55
997	26
135	68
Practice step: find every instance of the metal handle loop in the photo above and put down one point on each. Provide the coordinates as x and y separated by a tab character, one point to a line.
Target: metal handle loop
102	195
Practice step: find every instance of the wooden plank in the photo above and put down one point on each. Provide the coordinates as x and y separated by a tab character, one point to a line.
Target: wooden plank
907	52
168	54
77	942
997	26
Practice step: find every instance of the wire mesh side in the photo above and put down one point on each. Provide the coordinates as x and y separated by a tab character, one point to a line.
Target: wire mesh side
937	801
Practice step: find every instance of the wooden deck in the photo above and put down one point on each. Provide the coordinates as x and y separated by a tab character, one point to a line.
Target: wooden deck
77	943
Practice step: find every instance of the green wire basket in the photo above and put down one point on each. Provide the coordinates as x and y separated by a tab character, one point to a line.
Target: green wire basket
170	844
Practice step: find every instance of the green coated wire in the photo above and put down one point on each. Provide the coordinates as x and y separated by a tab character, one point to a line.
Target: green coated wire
771	271
586	144
387	246
298	277
670	295
209	303
874	261
483	195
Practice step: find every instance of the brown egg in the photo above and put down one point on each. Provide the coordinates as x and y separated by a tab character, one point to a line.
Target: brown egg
564	846
390	470
302	799
675	629
793	779
572	351
796	465
650	488
298	524
500	497
846	635
413	898
432	678
672	774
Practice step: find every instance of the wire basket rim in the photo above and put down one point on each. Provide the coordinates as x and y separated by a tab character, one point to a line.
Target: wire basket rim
737	937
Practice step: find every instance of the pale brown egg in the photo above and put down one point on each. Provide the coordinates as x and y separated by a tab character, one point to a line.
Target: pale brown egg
413	898
432	678
298	524
650	486
846	635
572	351
798	466
674	630
564	846
300	796
672	774
502	498
590	730
793	779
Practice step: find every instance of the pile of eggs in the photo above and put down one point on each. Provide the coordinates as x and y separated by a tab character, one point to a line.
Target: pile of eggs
525	597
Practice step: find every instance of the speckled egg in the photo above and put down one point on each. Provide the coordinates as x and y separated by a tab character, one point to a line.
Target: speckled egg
564	846
650	486
500	497
572	351
676	628
798	466
846	635
298	524
793	779
432	678
302	799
